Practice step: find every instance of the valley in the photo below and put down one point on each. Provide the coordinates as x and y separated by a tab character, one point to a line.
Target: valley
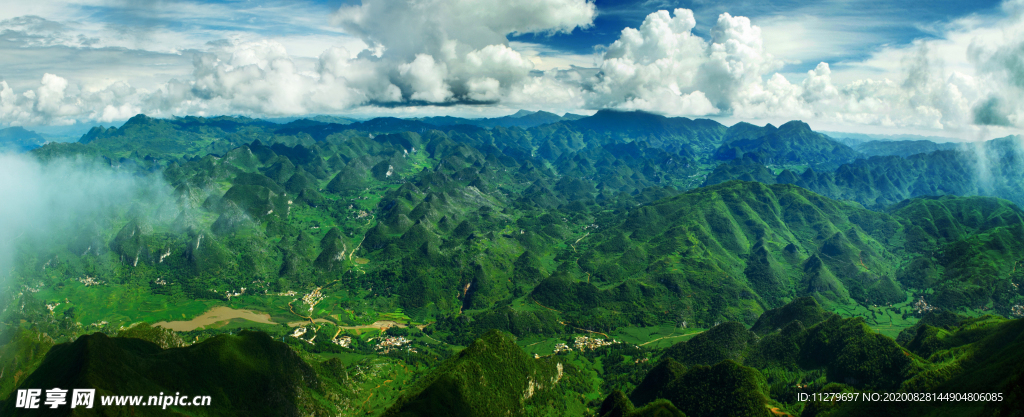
573	266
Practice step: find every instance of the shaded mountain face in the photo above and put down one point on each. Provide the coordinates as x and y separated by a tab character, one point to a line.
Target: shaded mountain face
763	244
491	375
680	135
523	119
246	374
902	148
18	139
596	227
427	205
992	168
142	137
793	143
828	354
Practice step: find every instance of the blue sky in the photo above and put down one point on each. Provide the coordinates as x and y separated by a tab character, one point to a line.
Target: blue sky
929	67
872	23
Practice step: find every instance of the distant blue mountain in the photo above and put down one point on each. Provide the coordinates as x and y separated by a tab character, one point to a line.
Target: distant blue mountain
19	139
523	118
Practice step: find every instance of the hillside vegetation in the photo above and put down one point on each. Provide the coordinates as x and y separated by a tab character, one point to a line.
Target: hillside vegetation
623	263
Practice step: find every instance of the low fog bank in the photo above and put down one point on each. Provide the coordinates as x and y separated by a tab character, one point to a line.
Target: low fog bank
43	203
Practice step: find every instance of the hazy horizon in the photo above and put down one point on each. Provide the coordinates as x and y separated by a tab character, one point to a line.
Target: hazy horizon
943	69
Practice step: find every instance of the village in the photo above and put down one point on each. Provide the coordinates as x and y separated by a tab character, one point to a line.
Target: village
583	343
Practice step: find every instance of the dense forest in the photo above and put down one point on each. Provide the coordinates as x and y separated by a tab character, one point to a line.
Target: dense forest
620	264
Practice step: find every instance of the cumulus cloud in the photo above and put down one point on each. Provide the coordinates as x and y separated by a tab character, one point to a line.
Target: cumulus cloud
448	29
444	52
663	67
426	52
654	68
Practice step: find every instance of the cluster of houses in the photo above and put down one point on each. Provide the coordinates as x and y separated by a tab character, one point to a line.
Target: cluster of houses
389	343
89	281
384	345
344	341
920	306
301	331
230	294
583	343
312	298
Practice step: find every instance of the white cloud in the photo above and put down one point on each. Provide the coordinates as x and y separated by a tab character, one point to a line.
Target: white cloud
664	67
484	89
408	28
546	58
456	52
968	75
465	58
426	79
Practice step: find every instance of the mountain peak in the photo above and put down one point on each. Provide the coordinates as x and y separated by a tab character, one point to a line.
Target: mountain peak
794	125
137	119
19	139
15	130
522	113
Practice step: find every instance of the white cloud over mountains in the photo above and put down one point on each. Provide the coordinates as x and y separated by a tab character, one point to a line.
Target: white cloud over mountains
443	52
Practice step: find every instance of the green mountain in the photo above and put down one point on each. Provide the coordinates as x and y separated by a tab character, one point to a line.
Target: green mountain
793	143
992	168
726	388
18	139
245	374
145	138
492	376
902	148
737	248
523	119
679	135
834	354
743	246
410	266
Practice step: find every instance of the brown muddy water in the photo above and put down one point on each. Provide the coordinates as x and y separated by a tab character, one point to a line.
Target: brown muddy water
216	315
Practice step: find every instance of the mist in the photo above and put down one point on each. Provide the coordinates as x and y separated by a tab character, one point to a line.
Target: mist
43	204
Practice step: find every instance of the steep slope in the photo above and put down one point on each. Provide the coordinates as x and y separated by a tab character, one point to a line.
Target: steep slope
740	245
902	148
965	249
680	135
793	143
143	136
492	376
992	168
725	389
247	374
978	355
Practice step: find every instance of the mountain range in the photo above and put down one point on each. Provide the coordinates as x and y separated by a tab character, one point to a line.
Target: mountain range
618	264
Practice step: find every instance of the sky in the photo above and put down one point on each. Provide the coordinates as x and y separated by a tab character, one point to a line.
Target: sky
940	68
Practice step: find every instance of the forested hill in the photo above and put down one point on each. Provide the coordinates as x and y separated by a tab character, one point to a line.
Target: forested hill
793	143
18	139
992	168
481	212
552	266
